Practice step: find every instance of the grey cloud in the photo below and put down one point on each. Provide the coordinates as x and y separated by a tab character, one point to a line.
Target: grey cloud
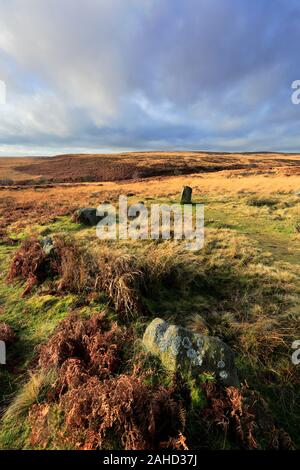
149	74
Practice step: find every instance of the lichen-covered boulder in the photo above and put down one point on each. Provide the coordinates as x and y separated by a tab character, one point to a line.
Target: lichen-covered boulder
88	216
180	348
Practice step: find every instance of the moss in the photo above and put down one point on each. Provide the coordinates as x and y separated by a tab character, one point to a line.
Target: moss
62	224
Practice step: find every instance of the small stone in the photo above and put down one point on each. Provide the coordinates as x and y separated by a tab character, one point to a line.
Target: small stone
223	375
47	245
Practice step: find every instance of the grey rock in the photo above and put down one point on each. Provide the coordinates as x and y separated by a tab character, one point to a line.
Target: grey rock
47	245
88	216
180	348
186	196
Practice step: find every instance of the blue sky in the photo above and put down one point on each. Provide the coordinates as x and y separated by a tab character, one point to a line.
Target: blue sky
109	75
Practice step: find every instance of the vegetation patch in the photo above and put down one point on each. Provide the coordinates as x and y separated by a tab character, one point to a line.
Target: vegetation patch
6	333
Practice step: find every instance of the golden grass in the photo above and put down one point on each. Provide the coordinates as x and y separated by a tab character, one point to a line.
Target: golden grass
27	396
74	166
163	187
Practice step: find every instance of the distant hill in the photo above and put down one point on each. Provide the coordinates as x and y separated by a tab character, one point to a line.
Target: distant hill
135	165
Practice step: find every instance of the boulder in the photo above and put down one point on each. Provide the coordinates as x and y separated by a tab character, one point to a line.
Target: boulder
88	216
180	348
186	196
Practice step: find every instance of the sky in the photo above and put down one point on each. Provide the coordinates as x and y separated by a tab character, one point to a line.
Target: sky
121	75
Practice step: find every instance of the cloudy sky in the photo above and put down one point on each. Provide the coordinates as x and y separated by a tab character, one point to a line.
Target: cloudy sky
108	75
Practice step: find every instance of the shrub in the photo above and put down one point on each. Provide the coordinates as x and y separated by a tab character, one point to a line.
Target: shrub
65	259
167	265
6	333
243	416
29	263
226	410
28	395
260	202
100	407
120	276
71	264
139	416
95	343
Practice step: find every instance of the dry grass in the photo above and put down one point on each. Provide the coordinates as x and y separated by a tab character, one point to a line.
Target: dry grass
30	264
208	183
120	276
28	395
136	165
71	264
168	264
243	287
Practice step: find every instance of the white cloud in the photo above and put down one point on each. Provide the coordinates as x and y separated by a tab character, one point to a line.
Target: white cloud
144	73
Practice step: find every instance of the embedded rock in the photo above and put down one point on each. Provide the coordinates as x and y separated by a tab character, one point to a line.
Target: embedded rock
180	349
88	216
47	244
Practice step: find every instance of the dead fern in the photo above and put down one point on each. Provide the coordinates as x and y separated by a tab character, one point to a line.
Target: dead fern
29	263
6	333
98	401
226	410
95	342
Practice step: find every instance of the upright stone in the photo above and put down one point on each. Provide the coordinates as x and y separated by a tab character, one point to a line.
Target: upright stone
186	196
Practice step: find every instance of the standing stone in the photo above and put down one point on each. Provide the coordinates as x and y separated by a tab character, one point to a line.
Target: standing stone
186	196
180	349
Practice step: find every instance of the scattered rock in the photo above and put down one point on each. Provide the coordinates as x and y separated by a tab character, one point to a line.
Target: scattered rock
178	347
47	245
6	333
186	196
88	216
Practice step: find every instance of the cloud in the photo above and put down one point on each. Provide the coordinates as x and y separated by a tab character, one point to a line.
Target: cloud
93	74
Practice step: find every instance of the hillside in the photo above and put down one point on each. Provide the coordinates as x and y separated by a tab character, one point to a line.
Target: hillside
77	373
116	167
